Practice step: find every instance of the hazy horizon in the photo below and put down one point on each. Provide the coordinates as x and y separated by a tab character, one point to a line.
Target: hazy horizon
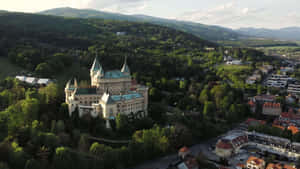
271	14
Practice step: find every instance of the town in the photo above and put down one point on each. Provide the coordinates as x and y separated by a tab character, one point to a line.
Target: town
270	139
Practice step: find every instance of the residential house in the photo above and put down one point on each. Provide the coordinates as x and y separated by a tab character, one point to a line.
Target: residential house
271	109
255	163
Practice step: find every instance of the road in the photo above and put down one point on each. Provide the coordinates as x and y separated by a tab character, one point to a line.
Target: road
163	163
203	147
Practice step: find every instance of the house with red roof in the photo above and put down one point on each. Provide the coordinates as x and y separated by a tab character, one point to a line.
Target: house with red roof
252	106
255	163
271	109
183	152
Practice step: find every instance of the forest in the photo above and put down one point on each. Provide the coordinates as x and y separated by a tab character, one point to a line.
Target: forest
188	91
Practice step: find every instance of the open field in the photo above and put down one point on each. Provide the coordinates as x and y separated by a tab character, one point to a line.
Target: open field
234	68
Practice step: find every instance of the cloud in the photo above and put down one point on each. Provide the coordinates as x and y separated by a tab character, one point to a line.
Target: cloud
229	15
119	6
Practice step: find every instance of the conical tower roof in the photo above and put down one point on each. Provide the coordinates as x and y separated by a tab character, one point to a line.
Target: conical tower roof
125	68
96	66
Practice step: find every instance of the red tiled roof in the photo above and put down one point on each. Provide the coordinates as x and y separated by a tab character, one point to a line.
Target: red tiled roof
251	103
272	105
289	115
279	166
294	129
274	166
256	160
224	145
288	167
184	149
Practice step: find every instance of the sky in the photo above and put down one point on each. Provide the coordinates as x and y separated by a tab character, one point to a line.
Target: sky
228	13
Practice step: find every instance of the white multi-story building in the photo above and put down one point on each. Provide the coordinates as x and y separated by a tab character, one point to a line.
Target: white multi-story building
278	81
111	93
294	89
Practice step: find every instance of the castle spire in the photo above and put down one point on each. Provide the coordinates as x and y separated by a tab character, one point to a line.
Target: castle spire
96	65
68	84
75	83
125	68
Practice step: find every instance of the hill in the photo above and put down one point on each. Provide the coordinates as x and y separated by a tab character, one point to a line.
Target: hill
289	33
212	33
49	44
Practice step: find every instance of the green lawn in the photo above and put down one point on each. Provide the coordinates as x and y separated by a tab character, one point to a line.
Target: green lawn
234	68
8	69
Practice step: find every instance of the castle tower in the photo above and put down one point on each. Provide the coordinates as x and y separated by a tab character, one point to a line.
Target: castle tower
125	69
96	72
70	88
68	91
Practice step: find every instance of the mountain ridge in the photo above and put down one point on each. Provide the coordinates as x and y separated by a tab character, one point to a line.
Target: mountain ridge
287	33
212	33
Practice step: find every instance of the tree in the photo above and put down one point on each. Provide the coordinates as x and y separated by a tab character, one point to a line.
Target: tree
62	158
183	84
50	94
154	94
60	126
123	124
43	69
83	143
218	91
259	89
233	113
157	112
32	164
204	96
99	149
209	109
153	141
3	165
30	108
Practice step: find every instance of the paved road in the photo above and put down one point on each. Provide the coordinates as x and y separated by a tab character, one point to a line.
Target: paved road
163	163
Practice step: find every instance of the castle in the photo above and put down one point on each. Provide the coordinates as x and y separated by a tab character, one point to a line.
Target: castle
111	93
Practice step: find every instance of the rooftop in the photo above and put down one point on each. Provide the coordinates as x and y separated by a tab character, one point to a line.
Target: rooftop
115	74
272	105
274	166
86	91
184	149
255	160
252	120
224	144
126	97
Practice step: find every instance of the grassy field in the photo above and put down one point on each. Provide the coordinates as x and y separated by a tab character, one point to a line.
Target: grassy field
235	73
8	69
234	68
283	47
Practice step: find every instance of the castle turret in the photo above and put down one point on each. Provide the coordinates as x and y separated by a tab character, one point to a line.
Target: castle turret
96	67
96	72
75	83
69	89
125	69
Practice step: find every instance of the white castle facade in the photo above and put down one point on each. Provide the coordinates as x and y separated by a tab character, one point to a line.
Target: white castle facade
111	93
